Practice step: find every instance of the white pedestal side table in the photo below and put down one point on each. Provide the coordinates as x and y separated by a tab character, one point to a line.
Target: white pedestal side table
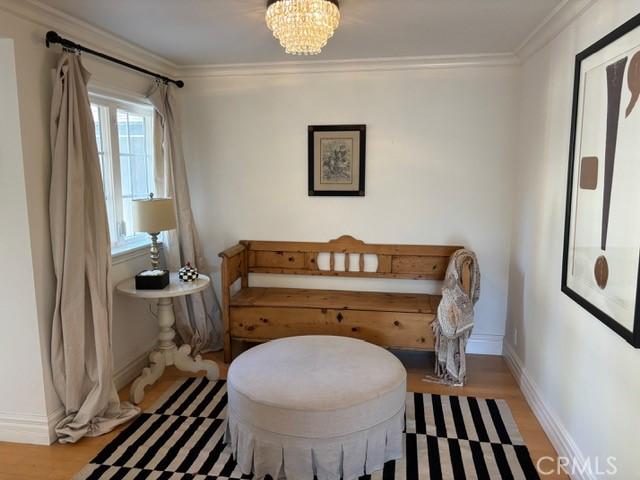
167	352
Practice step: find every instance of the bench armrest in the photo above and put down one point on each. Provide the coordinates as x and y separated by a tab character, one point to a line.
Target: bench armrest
234	266
232	252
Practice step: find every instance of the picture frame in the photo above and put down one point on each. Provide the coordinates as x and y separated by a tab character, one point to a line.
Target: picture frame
601	251
337	160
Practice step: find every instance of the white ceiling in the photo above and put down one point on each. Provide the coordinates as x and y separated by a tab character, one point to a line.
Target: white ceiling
203	32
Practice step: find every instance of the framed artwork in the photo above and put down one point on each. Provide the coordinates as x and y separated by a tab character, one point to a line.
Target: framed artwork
601	261
337	160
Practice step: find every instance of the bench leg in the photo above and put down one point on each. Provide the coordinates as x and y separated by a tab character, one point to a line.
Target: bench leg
228	355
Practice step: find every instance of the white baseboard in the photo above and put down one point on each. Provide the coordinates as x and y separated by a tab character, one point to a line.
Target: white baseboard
560	438
132	369
485	344
40	429
24	428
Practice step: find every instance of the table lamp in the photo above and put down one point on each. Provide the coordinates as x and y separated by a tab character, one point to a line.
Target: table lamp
154	215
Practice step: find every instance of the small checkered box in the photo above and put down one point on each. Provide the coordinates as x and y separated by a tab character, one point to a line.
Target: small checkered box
188	273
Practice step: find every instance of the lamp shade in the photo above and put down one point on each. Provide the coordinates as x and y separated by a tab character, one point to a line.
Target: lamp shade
153	215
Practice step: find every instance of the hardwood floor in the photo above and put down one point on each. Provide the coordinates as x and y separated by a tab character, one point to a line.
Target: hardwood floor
488	377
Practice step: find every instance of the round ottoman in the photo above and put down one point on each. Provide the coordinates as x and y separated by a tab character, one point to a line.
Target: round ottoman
327	406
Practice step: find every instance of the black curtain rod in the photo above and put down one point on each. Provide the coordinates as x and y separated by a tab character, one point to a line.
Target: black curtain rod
53	37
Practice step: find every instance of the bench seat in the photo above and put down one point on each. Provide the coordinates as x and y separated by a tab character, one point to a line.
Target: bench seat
398	320
335	299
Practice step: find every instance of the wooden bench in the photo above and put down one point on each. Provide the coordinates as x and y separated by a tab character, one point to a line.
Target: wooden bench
396	320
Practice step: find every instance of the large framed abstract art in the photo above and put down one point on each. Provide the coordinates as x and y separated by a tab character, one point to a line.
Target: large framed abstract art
601	262
337	160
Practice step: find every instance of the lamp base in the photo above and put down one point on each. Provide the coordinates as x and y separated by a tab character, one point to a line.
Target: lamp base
154	251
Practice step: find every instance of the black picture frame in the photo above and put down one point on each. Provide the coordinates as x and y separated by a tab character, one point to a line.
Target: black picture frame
359	191
631	336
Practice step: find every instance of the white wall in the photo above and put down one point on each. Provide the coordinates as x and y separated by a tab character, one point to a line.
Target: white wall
439	154
134	328
20	358
588	377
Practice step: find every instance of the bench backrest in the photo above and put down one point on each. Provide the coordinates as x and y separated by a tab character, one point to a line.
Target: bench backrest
346	258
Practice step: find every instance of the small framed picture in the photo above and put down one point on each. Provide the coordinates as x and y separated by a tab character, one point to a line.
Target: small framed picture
337	160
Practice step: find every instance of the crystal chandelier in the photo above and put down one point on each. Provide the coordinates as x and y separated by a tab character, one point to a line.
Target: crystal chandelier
303	26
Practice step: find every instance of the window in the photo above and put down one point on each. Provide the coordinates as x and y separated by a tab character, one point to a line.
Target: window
124	134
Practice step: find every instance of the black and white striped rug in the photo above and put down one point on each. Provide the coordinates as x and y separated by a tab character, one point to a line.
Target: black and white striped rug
447	437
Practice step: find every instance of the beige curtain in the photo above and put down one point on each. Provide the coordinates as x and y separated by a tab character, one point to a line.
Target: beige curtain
81	357
198	318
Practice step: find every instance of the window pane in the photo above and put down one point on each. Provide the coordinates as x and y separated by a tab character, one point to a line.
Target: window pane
139	177
136	163
136	125
123	131
125	175
128	217
95	112
138	143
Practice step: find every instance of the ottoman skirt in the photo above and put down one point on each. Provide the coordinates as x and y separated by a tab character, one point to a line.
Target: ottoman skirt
348	457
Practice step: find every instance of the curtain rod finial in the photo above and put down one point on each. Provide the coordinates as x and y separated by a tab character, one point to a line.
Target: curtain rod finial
51	37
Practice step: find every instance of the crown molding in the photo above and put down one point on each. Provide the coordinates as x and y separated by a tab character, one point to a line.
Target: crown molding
353	65
99	39
551	26
82	32
563	14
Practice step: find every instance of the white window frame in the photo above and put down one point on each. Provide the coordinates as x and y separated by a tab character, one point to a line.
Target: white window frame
112	180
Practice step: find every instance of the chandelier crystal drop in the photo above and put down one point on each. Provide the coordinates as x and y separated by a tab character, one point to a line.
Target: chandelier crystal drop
303	27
